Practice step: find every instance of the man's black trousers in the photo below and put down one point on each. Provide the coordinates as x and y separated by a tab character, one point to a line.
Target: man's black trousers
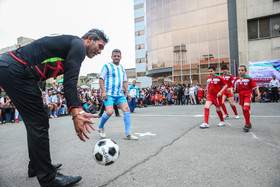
21	86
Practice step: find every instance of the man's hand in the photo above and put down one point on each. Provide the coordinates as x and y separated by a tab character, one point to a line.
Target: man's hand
219	94
104	96
83	124
129	97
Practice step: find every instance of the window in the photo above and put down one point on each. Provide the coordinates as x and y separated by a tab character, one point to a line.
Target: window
141	46
264	27
139	19
140	60
138	33
275	26
253	29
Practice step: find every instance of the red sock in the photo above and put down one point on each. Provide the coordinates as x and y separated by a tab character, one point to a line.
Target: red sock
0	115
206	115
234	109
224	108
246	112
220	114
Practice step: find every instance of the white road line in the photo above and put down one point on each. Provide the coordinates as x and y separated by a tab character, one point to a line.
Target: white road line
187	115
145	134
200	115
254	136
265	116
166	115
265	142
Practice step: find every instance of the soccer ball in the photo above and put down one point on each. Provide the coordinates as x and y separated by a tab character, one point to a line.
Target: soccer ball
106	152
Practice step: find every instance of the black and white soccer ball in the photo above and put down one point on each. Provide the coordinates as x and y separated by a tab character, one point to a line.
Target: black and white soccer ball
106	152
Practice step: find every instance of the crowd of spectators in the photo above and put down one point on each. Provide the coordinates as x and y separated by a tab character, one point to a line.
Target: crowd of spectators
90	99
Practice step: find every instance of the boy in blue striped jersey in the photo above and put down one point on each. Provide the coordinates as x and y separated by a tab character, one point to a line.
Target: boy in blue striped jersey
112	79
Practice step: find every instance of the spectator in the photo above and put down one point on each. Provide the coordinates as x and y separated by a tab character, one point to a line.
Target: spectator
169	98
192	95
50	102
134	93
186	93
47	105
180	94
7	107
265	97
88	107
274	85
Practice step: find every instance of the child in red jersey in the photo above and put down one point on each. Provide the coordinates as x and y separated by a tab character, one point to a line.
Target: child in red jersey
200	94
245	85
228	93
216	85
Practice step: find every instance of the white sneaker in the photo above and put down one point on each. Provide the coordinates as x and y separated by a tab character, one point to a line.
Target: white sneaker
226	116
51	116
204	125
237	117
130	137
222	123
101	133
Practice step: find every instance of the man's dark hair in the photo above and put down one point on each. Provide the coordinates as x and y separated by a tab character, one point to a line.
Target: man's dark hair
96	35
212	67
116	51
224	67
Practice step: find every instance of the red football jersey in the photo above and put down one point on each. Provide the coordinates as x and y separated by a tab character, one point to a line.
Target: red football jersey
215	84
229	79
244	84
200	92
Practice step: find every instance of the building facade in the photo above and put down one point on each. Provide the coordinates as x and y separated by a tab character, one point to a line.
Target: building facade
258	30
140	51
185	37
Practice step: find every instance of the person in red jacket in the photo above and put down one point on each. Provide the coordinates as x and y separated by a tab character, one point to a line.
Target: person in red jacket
216	85
228	93
245	85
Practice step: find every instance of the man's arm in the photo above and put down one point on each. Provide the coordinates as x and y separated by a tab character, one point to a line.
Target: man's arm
126	90
258	93
101	84
222	90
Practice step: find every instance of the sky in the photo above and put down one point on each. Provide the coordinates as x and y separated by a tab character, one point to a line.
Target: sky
38	18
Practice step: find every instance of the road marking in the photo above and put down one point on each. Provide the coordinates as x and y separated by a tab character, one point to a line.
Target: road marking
265	116
167	115
187	115
254	136
145	134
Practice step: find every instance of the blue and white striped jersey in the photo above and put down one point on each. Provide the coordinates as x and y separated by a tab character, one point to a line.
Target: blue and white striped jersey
113	77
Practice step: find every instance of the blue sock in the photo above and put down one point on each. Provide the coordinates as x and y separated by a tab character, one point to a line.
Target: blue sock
104	118
126	118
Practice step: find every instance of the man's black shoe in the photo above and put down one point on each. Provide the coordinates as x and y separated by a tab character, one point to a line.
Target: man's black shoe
62	180
31	171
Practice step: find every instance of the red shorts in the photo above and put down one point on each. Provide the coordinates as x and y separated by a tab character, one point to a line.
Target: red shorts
227	93
217	101
245	97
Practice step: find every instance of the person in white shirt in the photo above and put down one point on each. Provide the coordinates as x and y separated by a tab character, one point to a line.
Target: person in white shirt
192	95
274	85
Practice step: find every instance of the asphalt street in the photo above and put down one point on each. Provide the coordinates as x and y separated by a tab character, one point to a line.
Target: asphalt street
171	151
